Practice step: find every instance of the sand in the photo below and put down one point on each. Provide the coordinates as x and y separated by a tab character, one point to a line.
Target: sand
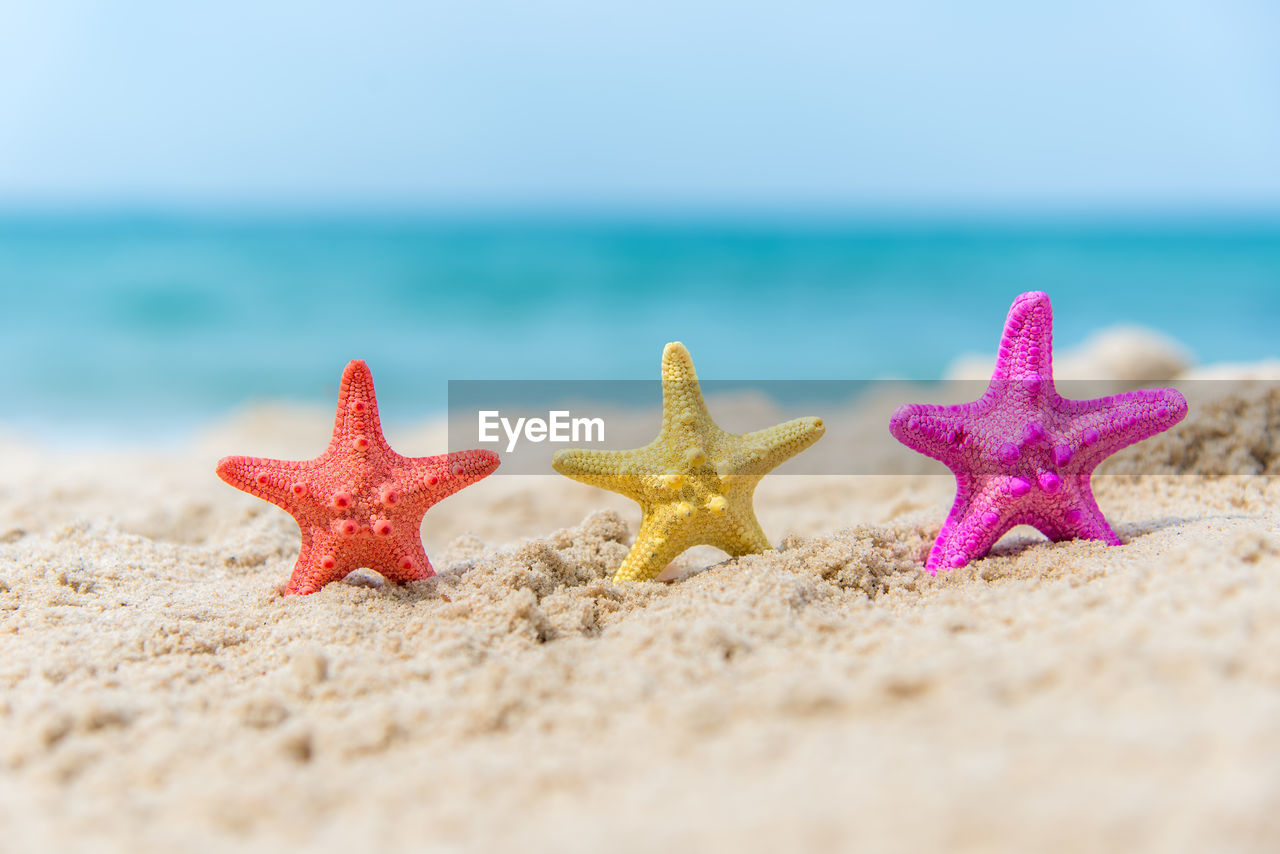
158	694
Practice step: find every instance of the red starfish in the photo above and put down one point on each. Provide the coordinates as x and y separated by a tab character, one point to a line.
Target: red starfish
359	504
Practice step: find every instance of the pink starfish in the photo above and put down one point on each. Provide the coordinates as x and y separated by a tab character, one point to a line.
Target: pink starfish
359	504
1022	454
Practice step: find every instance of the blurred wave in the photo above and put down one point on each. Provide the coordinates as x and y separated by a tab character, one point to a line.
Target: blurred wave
146	324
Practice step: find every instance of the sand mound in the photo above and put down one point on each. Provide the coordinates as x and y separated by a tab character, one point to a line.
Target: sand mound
1224	434
1130	356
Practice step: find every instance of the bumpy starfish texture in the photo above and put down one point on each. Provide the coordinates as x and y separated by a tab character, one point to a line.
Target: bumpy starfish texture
694	482
1022	454
359	504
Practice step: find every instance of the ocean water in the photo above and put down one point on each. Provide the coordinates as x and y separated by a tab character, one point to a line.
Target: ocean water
115	325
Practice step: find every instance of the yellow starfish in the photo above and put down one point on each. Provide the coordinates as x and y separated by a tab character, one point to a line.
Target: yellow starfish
695	481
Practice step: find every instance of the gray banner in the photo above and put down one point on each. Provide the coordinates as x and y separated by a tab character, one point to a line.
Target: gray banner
1228	430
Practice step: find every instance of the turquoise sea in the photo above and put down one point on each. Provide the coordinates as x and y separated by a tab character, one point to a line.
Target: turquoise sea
131	325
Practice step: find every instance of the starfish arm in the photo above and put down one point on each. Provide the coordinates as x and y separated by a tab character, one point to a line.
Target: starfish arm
624	472
1082	518
979	517
761	451
1106	425
658	542
745	536
1026	347
327	557
684	412
357	415
666	531
284	483
316	566
406	561
432	479
935	431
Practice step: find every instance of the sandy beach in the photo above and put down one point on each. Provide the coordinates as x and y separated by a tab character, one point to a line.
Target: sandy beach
222	223
158	694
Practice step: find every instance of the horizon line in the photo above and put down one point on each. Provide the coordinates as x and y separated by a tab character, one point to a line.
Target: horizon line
1015	216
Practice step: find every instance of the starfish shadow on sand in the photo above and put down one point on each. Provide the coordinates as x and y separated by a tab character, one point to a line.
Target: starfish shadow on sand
1137	530
411	592
1025	538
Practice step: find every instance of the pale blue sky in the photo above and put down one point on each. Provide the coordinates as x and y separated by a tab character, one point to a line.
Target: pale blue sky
661	103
